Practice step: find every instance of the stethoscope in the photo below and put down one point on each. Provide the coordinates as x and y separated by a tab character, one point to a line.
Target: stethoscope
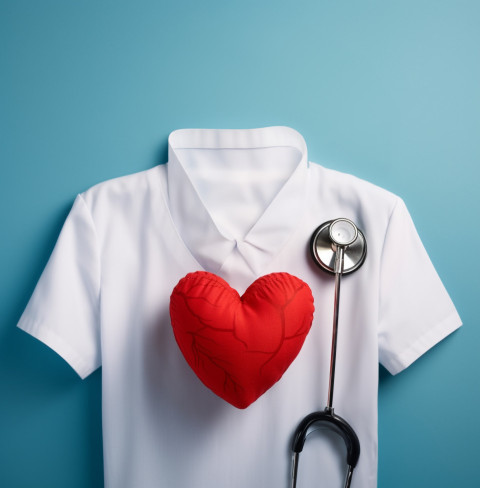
339	248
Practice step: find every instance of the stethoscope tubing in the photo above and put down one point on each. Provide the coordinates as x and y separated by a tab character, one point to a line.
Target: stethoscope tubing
336	307
341	426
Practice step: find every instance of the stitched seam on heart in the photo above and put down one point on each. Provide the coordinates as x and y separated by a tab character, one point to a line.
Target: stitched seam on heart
204	278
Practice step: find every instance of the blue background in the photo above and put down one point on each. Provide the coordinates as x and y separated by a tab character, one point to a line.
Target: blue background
387	90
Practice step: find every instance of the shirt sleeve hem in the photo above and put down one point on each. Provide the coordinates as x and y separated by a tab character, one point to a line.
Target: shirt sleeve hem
51	339
400	362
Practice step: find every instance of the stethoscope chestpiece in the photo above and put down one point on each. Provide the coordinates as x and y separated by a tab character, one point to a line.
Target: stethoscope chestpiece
343	232
338	232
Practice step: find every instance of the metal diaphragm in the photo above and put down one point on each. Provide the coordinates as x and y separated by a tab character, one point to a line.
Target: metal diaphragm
323	249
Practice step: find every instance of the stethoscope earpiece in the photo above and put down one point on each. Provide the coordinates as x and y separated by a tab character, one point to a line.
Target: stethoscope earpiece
338	247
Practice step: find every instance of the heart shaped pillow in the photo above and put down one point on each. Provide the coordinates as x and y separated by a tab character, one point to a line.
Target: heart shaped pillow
240	347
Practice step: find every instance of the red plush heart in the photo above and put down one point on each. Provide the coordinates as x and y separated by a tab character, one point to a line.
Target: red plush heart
240	347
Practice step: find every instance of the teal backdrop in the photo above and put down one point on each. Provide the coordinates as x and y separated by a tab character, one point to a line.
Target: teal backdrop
386	90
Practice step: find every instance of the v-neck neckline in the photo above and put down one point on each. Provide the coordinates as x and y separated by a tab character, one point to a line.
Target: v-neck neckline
214	250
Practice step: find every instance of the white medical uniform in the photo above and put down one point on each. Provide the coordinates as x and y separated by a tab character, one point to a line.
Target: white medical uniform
241	204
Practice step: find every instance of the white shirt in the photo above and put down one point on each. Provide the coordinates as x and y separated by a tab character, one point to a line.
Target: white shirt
240	204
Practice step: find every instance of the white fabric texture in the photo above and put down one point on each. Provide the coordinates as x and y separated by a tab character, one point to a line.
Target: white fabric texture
241	204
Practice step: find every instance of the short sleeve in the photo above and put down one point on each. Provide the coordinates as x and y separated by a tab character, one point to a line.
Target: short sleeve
415	311
63	311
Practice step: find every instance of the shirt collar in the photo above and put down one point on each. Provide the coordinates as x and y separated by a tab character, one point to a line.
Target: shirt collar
212	249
